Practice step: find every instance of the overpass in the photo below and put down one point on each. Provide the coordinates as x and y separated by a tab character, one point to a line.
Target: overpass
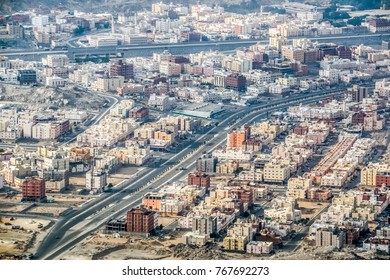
127	51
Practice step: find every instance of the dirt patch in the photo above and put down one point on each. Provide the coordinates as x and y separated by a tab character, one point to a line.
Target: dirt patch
310	209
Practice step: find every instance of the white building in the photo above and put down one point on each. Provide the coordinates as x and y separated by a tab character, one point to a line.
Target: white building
95	181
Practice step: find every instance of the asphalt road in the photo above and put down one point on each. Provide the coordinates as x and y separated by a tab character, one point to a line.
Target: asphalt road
137	50
81	222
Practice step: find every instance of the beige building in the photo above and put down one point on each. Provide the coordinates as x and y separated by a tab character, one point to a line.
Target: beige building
330	238
293	54
235	243
105	84
276	171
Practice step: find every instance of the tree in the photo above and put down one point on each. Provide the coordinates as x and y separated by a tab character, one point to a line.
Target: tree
78	31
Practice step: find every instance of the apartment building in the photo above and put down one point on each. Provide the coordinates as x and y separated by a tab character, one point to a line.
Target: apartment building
199	179
235	243
259	247
236	138
276	171
106	84
34	189
141	220
330	238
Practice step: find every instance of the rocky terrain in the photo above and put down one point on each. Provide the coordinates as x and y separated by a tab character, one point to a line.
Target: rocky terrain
67	97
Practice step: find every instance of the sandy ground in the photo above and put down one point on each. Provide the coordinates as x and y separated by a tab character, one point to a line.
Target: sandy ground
20	241
11	199
310	209
108	246
17	208
71	200
54	210
77	180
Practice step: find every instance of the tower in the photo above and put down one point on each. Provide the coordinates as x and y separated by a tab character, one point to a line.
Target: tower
112	25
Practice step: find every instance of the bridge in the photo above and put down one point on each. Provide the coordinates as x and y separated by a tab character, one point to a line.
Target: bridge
126	51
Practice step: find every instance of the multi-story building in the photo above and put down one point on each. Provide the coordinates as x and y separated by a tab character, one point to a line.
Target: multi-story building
293	54
235	243
26	77
357	93
379	25
275	171
95	180
141	220
120	68
33	189
330	238
236	82
205	225
161	103
199	179
207	163
259	247
57	60
15	29
236	138
105	84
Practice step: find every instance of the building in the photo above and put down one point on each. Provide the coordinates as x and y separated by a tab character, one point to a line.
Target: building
116	226
236	138
15	29
120	68
161	103
378	244
235	243
199	179
293	54
357	93
236	82
330	238
153	201
1	181
207	163
33	189
379	25
105	84
57	60
195	238
95	181
45	131
205	225
385	45
259	247
277	172
26	77
141	220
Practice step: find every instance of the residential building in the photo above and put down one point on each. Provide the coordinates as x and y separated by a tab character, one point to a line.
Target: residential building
33	189
96	181
259	247
199	179
330	238
141	220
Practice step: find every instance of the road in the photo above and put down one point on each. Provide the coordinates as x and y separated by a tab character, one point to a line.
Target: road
295	243
80	223
184	48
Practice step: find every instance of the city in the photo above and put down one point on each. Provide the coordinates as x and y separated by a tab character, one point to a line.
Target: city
194	131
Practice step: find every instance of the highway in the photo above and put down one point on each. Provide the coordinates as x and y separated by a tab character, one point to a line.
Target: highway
184	48
78	224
